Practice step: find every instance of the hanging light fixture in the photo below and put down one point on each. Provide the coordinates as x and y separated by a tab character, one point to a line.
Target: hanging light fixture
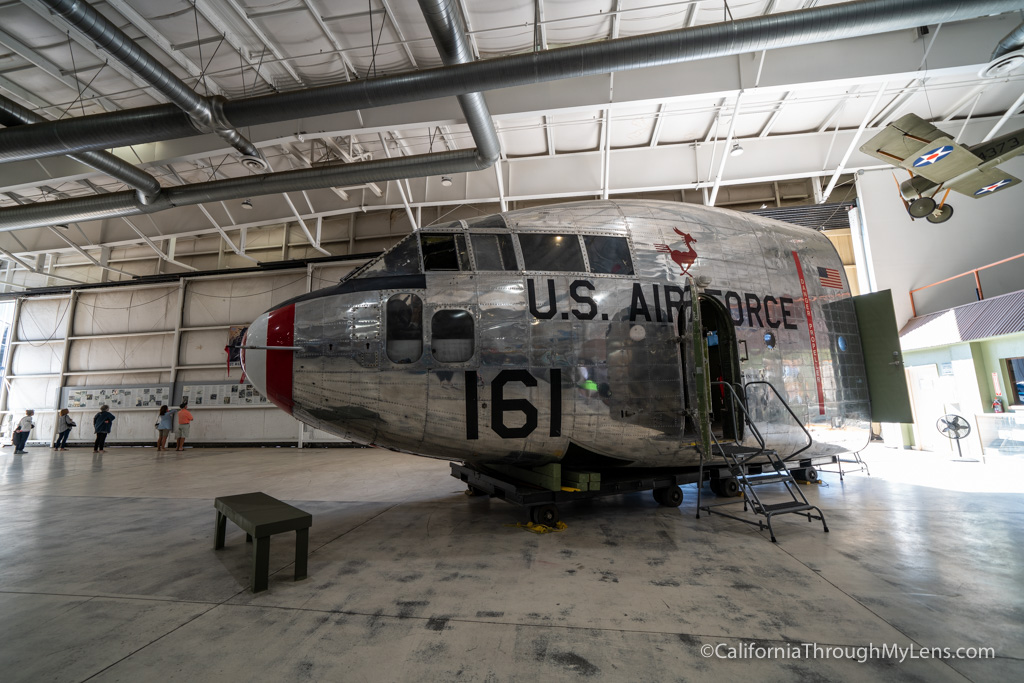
446	181
247	204
736	150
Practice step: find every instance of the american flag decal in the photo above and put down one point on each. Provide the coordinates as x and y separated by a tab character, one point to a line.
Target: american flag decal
830	277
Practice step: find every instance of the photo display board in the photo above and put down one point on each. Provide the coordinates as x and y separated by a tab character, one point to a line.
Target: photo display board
213	395
117	397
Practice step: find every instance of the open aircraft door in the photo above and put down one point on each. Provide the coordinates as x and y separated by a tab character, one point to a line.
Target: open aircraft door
695	379
883	358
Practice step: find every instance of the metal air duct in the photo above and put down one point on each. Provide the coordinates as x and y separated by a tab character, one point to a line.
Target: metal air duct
13	114
206	112
445	23
123	204
801	27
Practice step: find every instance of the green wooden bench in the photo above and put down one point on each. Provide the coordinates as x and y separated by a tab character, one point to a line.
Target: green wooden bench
260	516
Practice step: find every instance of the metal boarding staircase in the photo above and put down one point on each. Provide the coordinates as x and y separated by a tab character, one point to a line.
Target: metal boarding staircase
738	461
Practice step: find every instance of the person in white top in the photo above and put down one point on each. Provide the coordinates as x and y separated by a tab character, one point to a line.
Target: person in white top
22	431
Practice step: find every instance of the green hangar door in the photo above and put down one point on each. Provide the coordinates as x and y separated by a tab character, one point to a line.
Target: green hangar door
883	358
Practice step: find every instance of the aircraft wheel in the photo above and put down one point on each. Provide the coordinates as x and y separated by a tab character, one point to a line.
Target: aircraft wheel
805	474
670	496
716	487
921	207
728	488
544	514
940	215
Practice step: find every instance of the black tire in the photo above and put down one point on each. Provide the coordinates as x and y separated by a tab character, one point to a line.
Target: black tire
805	474
729	488
670	496
544	514
921	207
716	487
943	214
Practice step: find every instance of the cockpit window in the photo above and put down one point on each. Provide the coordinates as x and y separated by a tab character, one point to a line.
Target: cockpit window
404	328
444	251
492	221
451	335
401	259
608	255
493	251
551	252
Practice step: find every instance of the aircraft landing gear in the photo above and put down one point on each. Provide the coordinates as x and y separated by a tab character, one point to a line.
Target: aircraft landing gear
670	496
544	514
725	488
921	207
941	214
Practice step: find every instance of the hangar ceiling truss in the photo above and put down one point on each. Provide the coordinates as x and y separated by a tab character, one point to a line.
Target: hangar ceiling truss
797	109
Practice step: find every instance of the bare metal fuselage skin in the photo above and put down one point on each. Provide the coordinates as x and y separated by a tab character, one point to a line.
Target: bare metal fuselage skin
581	361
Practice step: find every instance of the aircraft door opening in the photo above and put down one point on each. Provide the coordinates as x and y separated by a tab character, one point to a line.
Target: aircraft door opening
722	349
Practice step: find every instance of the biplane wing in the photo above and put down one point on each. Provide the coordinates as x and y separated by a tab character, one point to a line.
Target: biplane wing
983	183
902	139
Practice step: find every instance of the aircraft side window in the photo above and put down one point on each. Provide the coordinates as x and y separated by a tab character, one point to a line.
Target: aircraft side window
404	328
551	252
451	333
608	255
493	251
444	251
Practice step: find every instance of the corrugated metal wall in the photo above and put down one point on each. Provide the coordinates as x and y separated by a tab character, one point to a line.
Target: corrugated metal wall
166	335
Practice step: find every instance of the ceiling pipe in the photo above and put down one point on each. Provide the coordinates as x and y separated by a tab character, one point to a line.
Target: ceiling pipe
206	112
121	204
1014	40
446	27
13	114
787	29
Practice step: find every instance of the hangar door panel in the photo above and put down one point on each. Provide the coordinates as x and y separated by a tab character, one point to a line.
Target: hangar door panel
883	358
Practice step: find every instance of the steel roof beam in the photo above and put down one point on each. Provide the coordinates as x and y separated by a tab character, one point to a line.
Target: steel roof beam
150	31
28	54
832	22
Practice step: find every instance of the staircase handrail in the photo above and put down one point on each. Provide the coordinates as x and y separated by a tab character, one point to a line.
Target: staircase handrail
789	410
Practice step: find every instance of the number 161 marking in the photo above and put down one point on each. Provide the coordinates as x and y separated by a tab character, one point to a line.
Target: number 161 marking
501	405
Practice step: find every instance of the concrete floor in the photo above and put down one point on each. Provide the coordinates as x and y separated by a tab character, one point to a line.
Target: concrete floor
107	573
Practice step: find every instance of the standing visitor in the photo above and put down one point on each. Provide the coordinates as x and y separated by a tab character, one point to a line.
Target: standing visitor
21	433
102	422
184	422
165	423
64	425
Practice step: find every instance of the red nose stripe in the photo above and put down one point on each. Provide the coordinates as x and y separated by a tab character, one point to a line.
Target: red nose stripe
280	332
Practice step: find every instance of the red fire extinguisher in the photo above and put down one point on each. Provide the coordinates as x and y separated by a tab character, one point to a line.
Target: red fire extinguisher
997	405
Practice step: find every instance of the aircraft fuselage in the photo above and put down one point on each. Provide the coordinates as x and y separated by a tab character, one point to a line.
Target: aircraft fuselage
528	336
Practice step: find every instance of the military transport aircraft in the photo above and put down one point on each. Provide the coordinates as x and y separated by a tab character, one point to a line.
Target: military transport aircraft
600	335
935	162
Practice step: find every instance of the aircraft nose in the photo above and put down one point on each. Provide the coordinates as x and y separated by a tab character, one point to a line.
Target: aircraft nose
267	355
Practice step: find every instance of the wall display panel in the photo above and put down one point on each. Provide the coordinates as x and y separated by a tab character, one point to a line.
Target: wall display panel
126	311
218	395
139	396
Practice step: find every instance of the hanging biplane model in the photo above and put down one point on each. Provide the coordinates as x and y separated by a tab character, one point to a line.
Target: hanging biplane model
596	338
936	163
